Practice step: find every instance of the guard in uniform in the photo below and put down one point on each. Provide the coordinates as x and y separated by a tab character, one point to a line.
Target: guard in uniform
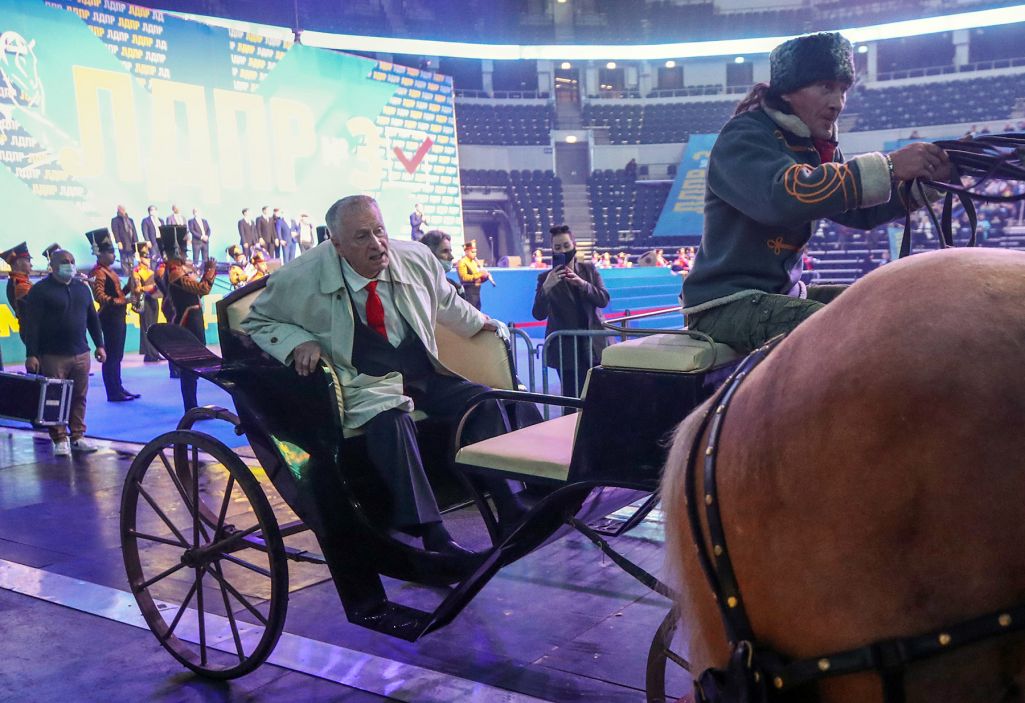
185	292
237	271
166	306
257	267
472	273
147	298
112	298
18	283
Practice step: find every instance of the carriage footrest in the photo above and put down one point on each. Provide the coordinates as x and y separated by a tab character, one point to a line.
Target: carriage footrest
607	527
394	619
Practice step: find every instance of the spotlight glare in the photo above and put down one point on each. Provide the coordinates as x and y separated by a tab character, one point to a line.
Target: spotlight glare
863	49
739	59
670	64
610	65
565	65
571	139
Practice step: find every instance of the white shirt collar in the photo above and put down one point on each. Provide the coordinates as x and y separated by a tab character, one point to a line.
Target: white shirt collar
357	282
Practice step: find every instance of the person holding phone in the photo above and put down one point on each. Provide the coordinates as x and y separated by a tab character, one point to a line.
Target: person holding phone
570	296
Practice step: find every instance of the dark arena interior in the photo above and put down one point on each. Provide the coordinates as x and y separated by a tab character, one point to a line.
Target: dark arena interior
346	346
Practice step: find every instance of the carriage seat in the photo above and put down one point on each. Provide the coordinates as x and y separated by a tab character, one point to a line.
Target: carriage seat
483	358
677	353
542	451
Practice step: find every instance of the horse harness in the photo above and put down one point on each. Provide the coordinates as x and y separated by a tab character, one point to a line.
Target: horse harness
757	674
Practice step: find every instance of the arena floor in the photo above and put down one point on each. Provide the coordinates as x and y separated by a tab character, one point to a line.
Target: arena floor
563	624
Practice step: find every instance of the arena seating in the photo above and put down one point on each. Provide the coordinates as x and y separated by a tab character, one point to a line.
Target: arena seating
659	123
936	103
512	125
536	197
623	121
624	211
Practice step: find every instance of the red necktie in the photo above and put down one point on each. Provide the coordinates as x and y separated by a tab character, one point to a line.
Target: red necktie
375	310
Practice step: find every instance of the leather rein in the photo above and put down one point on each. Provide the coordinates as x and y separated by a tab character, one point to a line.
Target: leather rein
756	673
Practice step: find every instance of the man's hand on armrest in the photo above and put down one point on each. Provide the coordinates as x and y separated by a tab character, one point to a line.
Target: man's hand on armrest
305	357
498	328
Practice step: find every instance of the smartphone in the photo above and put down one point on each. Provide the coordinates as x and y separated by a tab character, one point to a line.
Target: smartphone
559	259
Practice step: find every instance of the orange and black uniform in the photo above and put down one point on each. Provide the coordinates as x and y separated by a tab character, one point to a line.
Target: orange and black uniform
18	286
185	292
110	294
145	280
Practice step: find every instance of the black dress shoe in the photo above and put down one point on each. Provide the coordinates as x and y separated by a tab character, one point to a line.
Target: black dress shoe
119	398
450	548
130	394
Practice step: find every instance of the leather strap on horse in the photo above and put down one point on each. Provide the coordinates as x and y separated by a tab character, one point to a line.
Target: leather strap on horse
755	672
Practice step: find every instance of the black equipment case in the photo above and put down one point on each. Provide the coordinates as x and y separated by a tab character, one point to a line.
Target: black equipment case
36	399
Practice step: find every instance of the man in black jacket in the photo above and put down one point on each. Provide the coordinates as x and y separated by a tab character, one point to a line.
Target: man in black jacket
569	296
125	236
61	310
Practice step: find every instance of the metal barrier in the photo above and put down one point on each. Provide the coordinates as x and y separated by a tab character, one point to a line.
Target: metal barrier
517	333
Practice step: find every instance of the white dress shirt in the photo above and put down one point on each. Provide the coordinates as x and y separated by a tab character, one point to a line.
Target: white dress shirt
393	322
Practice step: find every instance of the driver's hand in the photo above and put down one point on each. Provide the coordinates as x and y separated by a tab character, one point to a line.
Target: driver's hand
100	354
305	357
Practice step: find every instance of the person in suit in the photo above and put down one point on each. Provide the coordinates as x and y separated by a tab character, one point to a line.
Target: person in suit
306	239
125	237
417	222
472	273
150	226
283	235
185	291
368	306
149	299
247	235
175	218
266	233
570	297
199	228
111	296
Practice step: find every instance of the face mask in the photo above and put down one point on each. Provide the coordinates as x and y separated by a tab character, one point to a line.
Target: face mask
447	265
65	272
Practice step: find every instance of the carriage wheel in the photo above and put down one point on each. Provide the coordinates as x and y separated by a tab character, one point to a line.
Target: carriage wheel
660	676
204	555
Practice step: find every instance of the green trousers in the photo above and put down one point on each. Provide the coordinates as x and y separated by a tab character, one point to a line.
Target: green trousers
749	322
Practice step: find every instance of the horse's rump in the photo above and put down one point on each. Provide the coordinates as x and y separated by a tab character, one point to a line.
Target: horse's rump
870	477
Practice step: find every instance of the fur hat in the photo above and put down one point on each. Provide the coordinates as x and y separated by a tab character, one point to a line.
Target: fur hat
826	56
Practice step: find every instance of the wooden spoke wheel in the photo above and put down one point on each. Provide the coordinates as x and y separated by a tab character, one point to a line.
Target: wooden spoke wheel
667	676
203	553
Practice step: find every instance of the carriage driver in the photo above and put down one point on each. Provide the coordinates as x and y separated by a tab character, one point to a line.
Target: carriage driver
369	306
775	169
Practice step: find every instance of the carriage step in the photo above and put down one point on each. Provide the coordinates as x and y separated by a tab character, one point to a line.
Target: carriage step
394	619
607	526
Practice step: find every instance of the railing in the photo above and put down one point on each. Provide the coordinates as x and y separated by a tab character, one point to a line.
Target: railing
948	69
503	94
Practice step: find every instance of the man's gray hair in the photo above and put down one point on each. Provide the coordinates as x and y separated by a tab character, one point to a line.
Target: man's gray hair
335	213
433	239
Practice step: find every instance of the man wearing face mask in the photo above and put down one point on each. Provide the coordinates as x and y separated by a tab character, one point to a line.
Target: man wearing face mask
440	245
570	297
774	170
60	311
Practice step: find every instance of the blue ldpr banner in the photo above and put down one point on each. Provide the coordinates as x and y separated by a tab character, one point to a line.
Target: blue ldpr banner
683	214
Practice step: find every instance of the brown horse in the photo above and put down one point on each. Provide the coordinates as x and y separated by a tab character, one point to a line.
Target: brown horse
871	481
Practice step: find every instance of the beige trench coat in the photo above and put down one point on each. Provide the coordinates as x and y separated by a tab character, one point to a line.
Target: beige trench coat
306	301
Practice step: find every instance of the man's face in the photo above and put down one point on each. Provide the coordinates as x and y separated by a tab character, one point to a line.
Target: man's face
120	211
174	209
363	240
562	243
195	213
23	264
819	105
105	258
444	250
152	212
61	257
471	252
266	212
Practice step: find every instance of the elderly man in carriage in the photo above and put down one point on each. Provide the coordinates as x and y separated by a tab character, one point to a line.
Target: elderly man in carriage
368	306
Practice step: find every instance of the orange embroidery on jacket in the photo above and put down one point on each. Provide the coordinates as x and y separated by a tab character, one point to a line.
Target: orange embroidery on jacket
778	245
834	177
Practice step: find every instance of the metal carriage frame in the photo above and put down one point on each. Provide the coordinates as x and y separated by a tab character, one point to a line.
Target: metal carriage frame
293	425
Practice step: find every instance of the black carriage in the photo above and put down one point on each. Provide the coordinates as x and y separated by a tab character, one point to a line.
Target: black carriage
217	546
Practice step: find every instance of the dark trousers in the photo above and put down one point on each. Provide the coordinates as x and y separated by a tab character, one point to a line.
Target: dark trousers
193	322
200	251
391	444
472	294
112	321
167	308
148	318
